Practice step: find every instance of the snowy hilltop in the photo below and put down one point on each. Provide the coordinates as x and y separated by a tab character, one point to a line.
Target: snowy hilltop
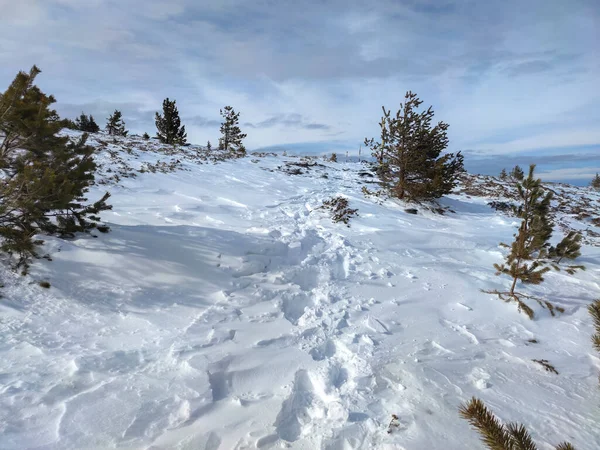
226	310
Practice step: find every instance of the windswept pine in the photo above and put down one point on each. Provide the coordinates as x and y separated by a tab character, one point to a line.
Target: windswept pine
86	123
45	176
168	125
231	135
409	160
115	125
517	173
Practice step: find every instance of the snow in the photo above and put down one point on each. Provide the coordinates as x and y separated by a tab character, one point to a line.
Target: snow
226	311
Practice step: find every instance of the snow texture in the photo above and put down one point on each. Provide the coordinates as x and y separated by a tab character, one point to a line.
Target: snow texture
226	311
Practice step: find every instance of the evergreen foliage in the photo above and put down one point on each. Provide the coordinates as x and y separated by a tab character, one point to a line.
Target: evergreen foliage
69	124
340	209
146	136
115	125
333	157
408	158
494	434
231	135
170	130
595	182
44	177
527	261
503	175
208	145
517	174
86	123
569	248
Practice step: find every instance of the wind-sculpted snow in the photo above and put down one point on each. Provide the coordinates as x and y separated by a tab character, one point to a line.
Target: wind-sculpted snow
226	311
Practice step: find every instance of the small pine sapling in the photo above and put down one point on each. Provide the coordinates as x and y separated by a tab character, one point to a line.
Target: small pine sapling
595	183
527	260
503	175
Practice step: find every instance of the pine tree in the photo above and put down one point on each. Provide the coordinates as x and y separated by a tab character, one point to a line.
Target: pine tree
527	260
517	174
231	135
146	136
595	182
497	436
408	157
208	146
87	124
115	125
45	176
503	175
170	131
82	122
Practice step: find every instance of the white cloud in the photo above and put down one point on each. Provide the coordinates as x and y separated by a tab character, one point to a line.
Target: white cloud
586	173
505	82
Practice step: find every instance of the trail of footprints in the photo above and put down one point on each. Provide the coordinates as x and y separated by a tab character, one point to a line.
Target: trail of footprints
336	400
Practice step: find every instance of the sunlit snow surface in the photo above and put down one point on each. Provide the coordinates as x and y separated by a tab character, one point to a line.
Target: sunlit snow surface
226	311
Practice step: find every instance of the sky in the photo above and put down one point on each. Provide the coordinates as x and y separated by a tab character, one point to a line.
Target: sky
517	80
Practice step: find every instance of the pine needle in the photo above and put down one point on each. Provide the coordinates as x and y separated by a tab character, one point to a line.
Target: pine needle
492	432
521	439
565	446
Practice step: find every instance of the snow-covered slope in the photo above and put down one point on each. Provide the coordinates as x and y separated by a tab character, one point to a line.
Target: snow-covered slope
226	311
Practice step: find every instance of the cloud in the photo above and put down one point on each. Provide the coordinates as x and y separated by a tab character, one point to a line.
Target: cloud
508	76
288	120
585	174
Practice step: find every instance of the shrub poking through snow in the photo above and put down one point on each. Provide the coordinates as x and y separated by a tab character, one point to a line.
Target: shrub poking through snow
146	136
503	175
333	158
408	158
45	177
340	212
530	253
594	310
546	365
497	436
